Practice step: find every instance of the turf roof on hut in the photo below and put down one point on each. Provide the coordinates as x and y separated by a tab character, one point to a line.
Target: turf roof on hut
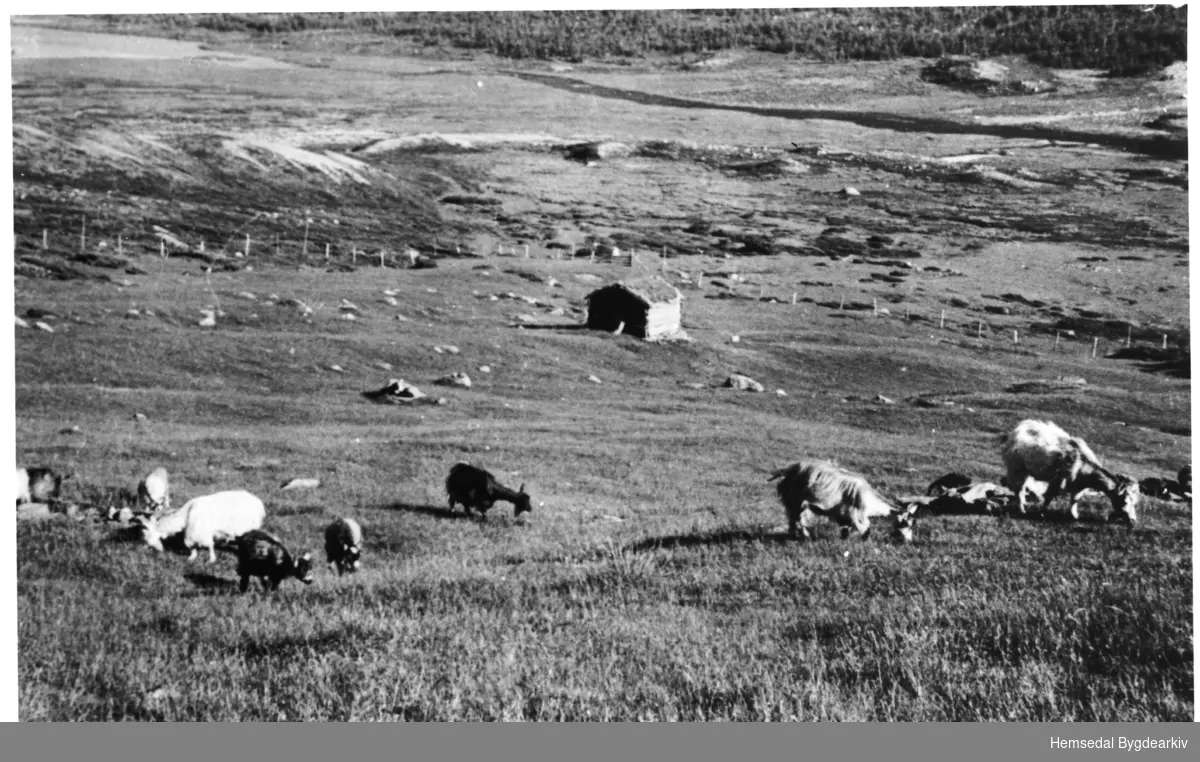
649	290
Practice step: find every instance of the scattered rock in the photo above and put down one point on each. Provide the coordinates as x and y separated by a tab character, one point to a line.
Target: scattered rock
593	379
21	323
885	400
1047	386
139	416
69	430
247	296
383	365
349	316
455	379
484	369
930	402
209	320
743	383
43	327
780	393
300	483
396	391
337	368
597	150
848	191
292	301
348	306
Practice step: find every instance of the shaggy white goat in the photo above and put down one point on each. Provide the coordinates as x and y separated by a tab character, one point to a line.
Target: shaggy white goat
1040	451
814	488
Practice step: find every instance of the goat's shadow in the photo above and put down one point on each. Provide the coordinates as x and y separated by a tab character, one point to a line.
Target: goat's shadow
124	535
210	584
436	511
1087	523
715	537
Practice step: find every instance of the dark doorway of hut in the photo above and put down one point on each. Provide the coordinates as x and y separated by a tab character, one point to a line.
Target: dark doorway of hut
648	308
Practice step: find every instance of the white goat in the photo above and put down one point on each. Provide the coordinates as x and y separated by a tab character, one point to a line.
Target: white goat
38	485
23	495
1040	451
223	516
154	491
811	488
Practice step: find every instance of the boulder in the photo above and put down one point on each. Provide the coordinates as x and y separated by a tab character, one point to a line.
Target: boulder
396	391
743	383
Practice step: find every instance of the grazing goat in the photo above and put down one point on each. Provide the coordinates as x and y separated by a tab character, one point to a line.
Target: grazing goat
154	492
261	554
343	545
987	493
982	498
1161	489
951	482
205	521
811	488
473	487
1040	451
38	485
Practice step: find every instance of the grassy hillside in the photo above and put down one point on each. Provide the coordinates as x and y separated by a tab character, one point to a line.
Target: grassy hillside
1120	38
900	278
650	582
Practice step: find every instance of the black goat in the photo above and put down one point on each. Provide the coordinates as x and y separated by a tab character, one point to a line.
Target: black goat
473	487
951	482
261	554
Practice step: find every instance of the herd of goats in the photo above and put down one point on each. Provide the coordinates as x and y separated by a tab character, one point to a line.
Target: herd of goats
1039	458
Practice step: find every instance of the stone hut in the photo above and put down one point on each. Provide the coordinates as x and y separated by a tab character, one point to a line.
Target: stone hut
649	308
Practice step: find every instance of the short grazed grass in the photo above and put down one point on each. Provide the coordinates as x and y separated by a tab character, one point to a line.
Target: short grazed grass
651	581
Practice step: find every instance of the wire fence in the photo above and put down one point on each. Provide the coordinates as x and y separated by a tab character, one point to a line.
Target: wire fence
241	248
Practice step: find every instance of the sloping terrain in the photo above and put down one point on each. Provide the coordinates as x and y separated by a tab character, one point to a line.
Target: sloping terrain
892	259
